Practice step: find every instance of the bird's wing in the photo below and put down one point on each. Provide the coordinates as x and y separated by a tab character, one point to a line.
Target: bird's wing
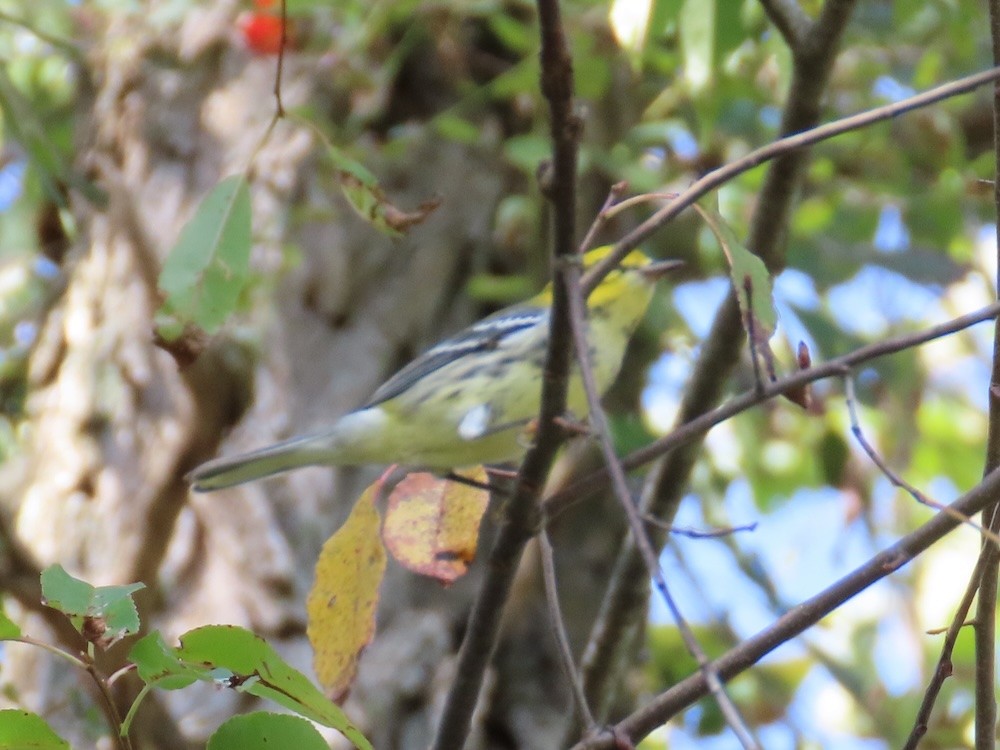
489	333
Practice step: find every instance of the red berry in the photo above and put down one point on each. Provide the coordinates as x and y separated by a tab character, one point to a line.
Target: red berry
261	32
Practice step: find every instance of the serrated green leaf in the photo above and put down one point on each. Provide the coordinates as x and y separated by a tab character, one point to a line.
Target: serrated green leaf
116	606
208	267
63	592
259	670
109	611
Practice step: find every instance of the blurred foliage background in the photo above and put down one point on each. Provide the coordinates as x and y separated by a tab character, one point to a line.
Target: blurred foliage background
892	230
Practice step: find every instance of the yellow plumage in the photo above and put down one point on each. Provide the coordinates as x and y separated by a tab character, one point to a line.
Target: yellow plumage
468	399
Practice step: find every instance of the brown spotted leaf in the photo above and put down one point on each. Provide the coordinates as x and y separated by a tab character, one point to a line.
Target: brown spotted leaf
432	524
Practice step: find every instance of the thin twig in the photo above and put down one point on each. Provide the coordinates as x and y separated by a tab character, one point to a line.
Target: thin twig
626	599
85	662
559	627
943	669
691	430
685	693
698	533
984	630
754	569
985	627
124	741
894	478
599	424
279	106
724	174
604	215
637	200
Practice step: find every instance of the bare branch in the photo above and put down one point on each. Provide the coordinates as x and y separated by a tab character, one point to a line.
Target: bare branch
693	429
559	627
674	700
944	667
699	533
788	17
599	424
985	627
893	477
279	107
604	215
985	635
780	147
522	516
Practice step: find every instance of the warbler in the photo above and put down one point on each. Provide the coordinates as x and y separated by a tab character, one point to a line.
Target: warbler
468	399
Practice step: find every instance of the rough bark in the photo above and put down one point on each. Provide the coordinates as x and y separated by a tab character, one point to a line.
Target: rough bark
115	423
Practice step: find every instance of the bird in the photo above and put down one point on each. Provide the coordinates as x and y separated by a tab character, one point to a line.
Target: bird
471	398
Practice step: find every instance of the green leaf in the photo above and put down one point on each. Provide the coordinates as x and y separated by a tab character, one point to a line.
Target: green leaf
8	628
61	591
697	32
514	34
663	14
158	663
362	191
235	657
103	615
208	267
28	129
454	128
266	731
345	164
527	151
752	283
21	730
259	670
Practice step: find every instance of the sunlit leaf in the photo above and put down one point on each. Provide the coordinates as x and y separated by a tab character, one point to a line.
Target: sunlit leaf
697	32
233	657
8	628
341	605
21	730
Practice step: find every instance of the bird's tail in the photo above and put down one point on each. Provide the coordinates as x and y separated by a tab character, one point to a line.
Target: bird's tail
232	470
354	439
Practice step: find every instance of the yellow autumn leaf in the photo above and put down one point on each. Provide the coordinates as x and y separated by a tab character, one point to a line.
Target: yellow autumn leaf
432	524
341	605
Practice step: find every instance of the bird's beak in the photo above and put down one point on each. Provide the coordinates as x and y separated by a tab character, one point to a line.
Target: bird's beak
657	270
